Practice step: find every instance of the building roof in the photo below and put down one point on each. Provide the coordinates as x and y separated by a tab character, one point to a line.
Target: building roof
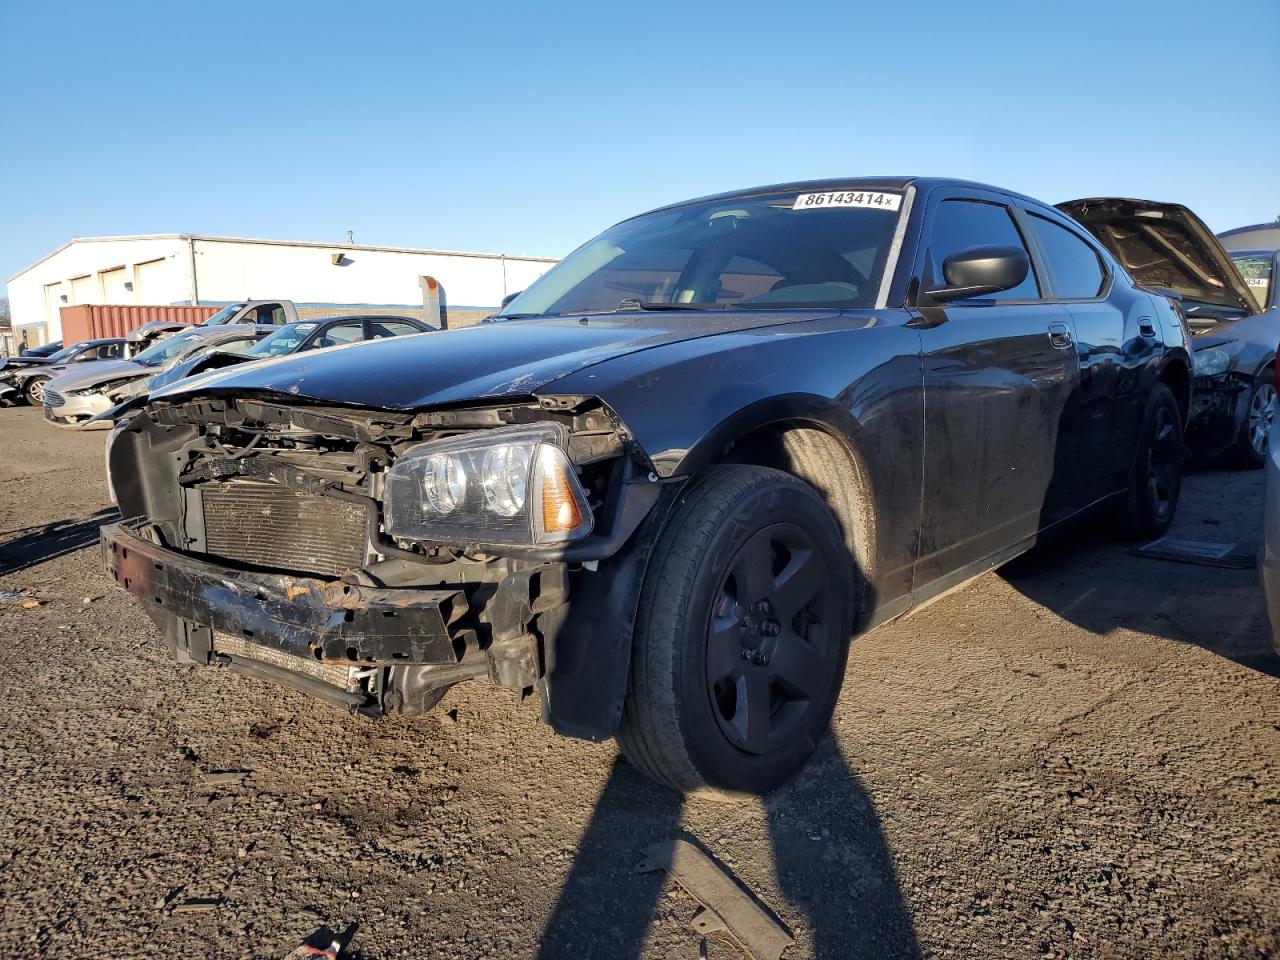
279	243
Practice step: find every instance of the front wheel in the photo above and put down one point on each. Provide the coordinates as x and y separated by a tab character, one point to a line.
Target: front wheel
1250	449
1155	479
34	390
741	636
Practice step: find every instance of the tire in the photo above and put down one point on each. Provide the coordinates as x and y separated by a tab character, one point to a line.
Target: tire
1250	449
720	630
33	390
1155	478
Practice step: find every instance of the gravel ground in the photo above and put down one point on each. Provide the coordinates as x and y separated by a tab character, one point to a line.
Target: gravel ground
1079	761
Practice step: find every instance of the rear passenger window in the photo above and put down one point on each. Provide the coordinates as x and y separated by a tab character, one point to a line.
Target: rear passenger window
962	224
380	329
1076	270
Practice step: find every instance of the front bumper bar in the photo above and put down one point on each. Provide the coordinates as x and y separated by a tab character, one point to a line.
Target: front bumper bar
326	621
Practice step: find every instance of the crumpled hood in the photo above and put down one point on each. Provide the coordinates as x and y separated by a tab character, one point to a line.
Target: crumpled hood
152	327
98	372
10	364
499	359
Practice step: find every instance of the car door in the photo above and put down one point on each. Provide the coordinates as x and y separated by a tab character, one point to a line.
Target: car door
999	374
1078	276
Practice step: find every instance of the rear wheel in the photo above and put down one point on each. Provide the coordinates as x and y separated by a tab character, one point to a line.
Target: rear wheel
1250	449
1156	476
34	390
742	634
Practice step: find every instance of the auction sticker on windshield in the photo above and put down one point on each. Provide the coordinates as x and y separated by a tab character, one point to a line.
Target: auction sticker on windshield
848	198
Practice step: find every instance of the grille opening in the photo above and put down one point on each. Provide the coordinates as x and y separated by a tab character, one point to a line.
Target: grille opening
274	527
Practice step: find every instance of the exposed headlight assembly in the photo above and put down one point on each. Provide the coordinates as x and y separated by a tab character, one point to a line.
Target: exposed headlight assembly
512	485
1210	362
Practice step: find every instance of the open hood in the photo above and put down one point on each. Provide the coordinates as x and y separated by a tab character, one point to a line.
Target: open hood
13	363
1165	245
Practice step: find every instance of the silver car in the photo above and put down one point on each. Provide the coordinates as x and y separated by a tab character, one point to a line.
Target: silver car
76	397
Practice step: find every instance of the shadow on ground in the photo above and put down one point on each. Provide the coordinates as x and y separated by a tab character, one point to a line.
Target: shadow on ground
28	546
831	860
1089	577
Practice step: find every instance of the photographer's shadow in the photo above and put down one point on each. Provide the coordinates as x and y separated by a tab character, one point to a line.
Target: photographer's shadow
833	867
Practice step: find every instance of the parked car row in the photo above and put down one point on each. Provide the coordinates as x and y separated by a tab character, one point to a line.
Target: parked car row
86	398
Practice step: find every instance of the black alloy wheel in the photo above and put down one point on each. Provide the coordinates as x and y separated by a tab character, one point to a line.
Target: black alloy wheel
1164	464
769	650
1149	504
741	636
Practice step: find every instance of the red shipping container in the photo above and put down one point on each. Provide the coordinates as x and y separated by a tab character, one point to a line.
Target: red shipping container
93	321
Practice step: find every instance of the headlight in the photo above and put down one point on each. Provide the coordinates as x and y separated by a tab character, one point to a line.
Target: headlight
1210	362
511	485
124	389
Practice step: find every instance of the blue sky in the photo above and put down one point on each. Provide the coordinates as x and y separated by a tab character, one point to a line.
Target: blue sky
527	128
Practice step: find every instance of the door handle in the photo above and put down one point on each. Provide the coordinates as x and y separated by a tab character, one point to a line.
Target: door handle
1060	336
1146	327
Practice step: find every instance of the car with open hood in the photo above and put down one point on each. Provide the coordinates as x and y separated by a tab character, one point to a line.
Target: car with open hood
1235	334
665	485
79	395
25	380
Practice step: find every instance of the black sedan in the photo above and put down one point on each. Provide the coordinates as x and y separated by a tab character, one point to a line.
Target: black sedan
666	485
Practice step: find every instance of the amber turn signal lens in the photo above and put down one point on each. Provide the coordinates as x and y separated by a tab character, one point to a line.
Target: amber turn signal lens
560	511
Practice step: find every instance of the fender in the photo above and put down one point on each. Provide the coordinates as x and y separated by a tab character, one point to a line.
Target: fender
587	668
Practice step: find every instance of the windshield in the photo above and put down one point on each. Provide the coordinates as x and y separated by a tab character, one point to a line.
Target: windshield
1256	271
162	351
285	340
223	315
764	252
64	353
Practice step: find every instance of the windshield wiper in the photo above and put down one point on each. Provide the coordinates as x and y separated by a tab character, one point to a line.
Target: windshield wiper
631	303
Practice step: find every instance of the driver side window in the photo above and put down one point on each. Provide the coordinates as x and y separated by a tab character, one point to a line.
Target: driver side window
960	225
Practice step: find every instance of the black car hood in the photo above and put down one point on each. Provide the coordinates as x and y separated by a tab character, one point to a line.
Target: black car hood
497	359
1165	245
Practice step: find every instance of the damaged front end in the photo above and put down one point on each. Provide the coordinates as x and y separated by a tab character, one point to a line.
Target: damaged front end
376	558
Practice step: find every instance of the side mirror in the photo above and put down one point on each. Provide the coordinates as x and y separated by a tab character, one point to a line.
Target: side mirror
980	271
509	297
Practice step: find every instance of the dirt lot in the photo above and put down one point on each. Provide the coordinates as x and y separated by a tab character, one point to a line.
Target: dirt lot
1080	761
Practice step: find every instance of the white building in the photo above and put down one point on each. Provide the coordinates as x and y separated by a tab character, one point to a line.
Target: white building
174	268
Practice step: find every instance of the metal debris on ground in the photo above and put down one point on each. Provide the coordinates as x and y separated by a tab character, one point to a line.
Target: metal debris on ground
1209	553
726	906
222	778
198	905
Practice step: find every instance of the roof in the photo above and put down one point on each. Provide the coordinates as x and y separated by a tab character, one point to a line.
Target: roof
1259	236
280	243
845	183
